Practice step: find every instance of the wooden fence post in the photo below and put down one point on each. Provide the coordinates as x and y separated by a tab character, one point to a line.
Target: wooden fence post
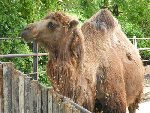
21	93
44	102
56	102
15	91
50	102
27	91
33	96
39	99
7	88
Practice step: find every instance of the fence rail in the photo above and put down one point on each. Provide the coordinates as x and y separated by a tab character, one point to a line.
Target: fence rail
20	94
135	43
35	53
22	55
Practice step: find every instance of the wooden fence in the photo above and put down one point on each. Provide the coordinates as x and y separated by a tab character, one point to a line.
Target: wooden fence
20	94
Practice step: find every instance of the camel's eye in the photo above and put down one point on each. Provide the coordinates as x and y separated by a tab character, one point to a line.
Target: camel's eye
51	25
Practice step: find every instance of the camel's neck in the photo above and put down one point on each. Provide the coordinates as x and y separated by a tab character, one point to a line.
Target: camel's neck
60	53
63	76
63	65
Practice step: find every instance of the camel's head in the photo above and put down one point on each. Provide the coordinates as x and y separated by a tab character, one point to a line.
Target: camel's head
58	33
51	30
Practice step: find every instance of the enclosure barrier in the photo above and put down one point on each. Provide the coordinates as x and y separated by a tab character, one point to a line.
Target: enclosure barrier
35	53
20	94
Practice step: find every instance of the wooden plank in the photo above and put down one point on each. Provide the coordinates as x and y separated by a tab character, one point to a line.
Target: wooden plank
7	87
55	103
44	100
39	106
27	90
21	93
15	91
50	102
33	99
30	99
1	90
59	102
61	107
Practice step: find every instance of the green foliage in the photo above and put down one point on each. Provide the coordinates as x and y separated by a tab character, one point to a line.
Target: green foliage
144	44
10	19
43	77
11	24
135	21
133	16
131	29
137	16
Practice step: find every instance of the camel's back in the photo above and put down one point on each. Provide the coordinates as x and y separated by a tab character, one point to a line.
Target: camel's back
102	33
104	40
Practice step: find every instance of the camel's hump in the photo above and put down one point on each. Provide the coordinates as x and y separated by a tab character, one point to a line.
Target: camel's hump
103	17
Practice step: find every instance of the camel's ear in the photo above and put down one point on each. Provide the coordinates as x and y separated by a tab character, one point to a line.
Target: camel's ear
73	24
77	48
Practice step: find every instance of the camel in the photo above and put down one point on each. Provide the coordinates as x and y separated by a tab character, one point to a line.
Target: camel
95	65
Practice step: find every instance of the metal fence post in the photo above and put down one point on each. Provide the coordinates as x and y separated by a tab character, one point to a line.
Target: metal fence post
35	61
135	42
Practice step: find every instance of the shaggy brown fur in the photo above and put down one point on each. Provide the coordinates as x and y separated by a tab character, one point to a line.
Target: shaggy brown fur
96	66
